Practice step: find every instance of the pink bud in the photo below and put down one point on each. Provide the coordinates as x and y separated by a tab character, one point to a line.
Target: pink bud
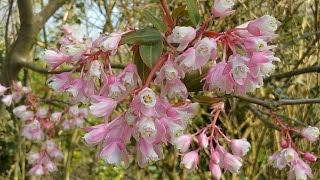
183	142
103	107
182	36
284	143
310	157
203	140
190	160
215	171
215	156
2	90
56	116
7	100
96	134
240	147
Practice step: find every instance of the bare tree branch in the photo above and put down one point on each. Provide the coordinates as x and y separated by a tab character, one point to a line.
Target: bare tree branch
275	104
50	9
263	118
315	68
35	68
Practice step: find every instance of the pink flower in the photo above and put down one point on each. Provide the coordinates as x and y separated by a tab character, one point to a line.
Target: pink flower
217	80
75	51
183	142
190	160
56	116
95	69
282	158
182	36
214	156
52	150
59	82
26	115
7	100
310	133
76	89
145	102
231	162
206	48
33	157
222	8
264	26
114	152
203	140
37	170
41	113
50	166
169	71
240	147
237	66
17	111
147	153
95	134
174	89
2	90
129	77
33	131
67	125
54	59
185	112
147	128
116	89
108	42
187	60
300	170
102	106
215	171
256	44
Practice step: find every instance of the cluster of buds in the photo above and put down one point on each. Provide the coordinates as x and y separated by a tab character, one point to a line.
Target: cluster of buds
219	157
43	161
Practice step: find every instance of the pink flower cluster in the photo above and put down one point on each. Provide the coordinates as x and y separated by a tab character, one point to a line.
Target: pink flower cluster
17	91
43	161
74	117
150	120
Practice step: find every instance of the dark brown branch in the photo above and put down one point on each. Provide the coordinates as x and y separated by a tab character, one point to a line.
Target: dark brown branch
275	104
35	68
50	9
263	118
311	69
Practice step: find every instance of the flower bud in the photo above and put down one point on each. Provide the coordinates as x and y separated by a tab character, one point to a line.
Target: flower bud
310	157
190	160
183	142
240	147
215	171
203	140
284	143
214	156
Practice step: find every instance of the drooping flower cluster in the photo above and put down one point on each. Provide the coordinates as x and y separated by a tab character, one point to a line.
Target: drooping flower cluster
39	125
43	162
74	117
17	91
150	120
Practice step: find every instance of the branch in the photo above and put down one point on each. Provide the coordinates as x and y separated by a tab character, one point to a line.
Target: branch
260	116
315	68
50	9
275	104
35	68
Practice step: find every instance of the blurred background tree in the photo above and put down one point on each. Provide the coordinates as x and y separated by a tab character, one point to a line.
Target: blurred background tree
28	27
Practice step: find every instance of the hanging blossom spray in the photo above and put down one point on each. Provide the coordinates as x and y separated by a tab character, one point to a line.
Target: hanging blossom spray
155	118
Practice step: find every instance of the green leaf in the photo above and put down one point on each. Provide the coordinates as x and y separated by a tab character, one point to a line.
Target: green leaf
159	24
143	36
150	53
193	11
143	69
